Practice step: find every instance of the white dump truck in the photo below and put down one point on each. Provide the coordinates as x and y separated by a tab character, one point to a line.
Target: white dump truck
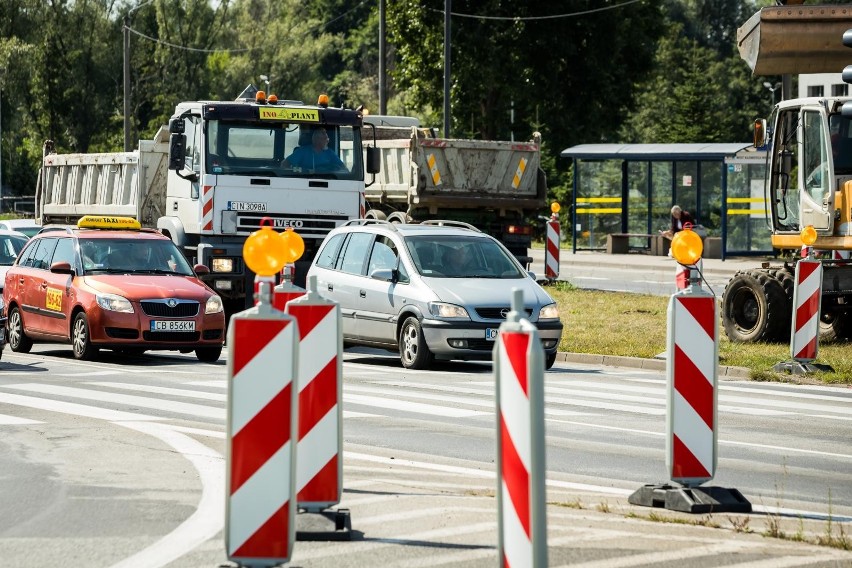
497	186
216	174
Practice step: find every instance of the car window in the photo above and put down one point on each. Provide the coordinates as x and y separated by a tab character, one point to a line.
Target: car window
42	255
355	256
64	252
26	254
10	246
328	254
461	256
385	255
133	255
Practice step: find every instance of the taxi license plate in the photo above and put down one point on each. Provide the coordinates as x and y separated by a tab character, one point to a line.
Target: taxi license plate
491	333
160	325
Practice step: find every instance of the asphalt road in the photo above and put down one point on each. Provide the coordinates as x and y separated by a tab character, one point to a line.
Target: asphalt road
120	463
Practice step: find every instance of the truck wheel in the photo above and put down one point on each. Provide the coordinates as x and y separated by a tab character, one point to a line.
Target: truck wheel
398	217
375	214
835	326
81	339
755	308
18	340
413	351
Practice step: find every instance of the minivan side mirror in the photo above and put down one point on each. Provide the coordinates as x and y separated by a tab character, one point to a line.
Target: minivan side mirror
386	274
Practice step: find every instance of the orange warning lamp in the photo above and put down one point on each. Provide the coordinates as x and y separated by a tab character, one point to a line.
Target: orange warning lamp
322	100
293	244
260	97
809	235
264	251
273	99
687	247
554	207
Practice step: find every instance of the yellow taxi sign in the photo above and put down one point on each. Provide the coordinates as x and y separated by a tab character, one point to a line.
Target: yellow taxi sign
107	222
285	113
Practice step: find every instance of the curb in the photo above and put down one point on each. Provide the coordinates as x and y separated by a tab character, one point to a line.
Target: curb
641	363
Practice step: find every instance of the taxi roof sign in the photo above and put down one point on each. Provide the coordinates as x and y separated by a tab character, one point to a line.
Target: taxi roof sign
108	222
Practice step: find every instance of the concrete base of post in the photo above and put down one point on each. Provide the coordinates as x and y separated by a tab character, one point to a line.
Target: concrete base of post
323	525
800	368
700	500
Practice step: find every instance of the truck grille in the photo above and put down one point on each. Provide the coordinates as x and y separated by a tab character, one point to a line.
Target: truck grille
317	226
161	308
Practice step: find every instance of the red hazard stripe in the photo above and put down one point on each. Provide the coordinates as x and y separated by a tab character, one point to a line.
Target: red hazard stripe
806	269
309	316
258	441
702	310
272	540
684	463
693	386
516	345
280	299
808	351
516	477
323	486
316	399
807	310
252	336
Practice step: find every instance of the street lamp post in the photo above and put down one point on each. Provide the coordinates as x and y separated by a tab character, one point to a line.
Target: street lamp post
772	88
127	73
267	79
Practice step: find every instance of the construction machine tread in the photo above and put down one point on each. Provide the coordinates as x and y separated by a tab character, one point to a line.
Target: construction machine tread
755	307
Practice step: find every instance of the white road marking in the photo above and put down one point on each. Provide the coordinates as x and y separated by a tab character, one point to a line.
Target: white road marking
653	558
73	408
396	404
6	420
185	393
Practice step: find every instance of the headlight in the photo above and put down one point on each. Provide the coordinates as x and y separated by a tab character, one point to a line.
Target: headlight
223	265
214	305
114	303
443	310
550	311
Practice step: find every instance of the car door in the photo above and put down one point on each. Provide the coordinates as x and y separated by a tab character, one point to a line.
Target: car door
347	279
59	294
36	297
379	302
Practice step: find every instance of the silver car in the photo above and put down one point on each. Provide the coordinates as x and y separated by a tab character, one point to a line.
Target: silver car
435	290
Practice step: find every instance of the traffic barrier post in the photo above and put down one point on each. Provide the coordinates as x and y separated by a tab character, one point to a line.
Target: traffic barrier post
286	290
518	362
804	325
270	280
319	475
551	251
692	359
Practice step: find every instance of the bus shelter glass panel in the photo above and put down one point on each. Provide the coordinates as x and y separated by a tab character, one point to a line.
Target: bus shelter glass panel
711	197
598	205
661	195
638	202
686	188
747	213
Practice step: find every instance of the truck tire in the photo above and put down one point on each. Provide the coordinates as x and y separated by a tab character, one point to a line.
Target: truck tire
398	217
377	214
755	308
835	326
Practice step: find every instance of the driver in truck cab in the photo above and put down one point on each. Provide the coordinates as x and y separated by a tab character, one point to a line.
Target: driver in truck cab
316	157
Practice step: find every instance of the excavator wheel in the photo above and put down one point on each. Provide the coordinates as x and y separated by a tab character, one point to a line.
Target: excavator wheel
755	308
835	326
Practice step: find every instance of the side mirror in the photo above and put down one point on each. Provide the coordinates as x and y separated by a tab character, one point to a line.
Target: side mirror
201	269
374	160
177	151
759	133
176	126
786	162
385	274
62	267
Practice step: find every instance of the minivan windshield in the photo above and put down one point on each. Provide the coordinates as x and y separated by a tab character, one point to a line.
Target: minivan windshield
459	256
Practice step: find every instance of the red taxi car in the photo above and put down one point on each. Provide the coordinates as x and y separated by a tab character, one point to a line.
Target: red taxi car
109	284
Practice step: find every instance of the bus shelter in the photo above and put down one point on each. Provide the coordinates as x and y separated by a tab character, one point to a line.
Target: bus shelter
629	189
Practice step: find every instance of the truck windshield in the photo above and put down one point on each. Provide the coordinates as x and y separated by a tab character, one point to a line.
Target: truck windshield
284	150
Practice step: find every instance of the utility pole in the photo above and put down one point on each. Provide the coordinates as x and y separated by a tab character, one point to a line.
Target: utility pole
127	74
383	80
447	9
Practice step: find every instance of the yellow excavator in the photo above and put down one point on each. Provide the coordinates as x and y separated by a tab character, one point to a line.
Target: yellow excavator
809	172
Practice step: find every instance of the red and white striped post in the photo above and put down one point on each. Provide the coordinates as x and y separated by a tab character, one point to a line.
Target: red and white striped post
691	373
270	280
551	252
521	501
692	361
286	290
262	422
807	296
319	476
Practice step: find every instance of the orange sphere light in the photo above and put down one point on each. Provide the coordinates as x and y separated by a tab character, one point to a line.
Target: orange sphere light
809	235
687	247
264	251
294	245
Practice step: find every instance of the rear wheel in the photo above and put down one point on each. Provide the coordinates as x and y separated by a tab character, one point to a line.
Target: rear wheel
18	340
413	351
398	217
375	214
81	339
835	326
208	354
755	308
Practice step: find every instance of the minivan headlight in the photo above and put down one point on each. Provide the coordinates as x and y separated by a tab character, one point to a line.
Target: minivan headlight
443	310
114	303
550	311
214	305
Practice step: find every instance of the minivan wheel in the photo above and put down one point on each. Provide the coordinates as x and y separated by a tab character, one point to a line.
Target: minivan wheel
413	351
549	360
81	339
18	340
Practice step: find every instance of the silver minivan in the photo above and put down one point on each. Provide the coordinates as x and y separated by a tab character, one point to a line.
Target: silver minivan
434	290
